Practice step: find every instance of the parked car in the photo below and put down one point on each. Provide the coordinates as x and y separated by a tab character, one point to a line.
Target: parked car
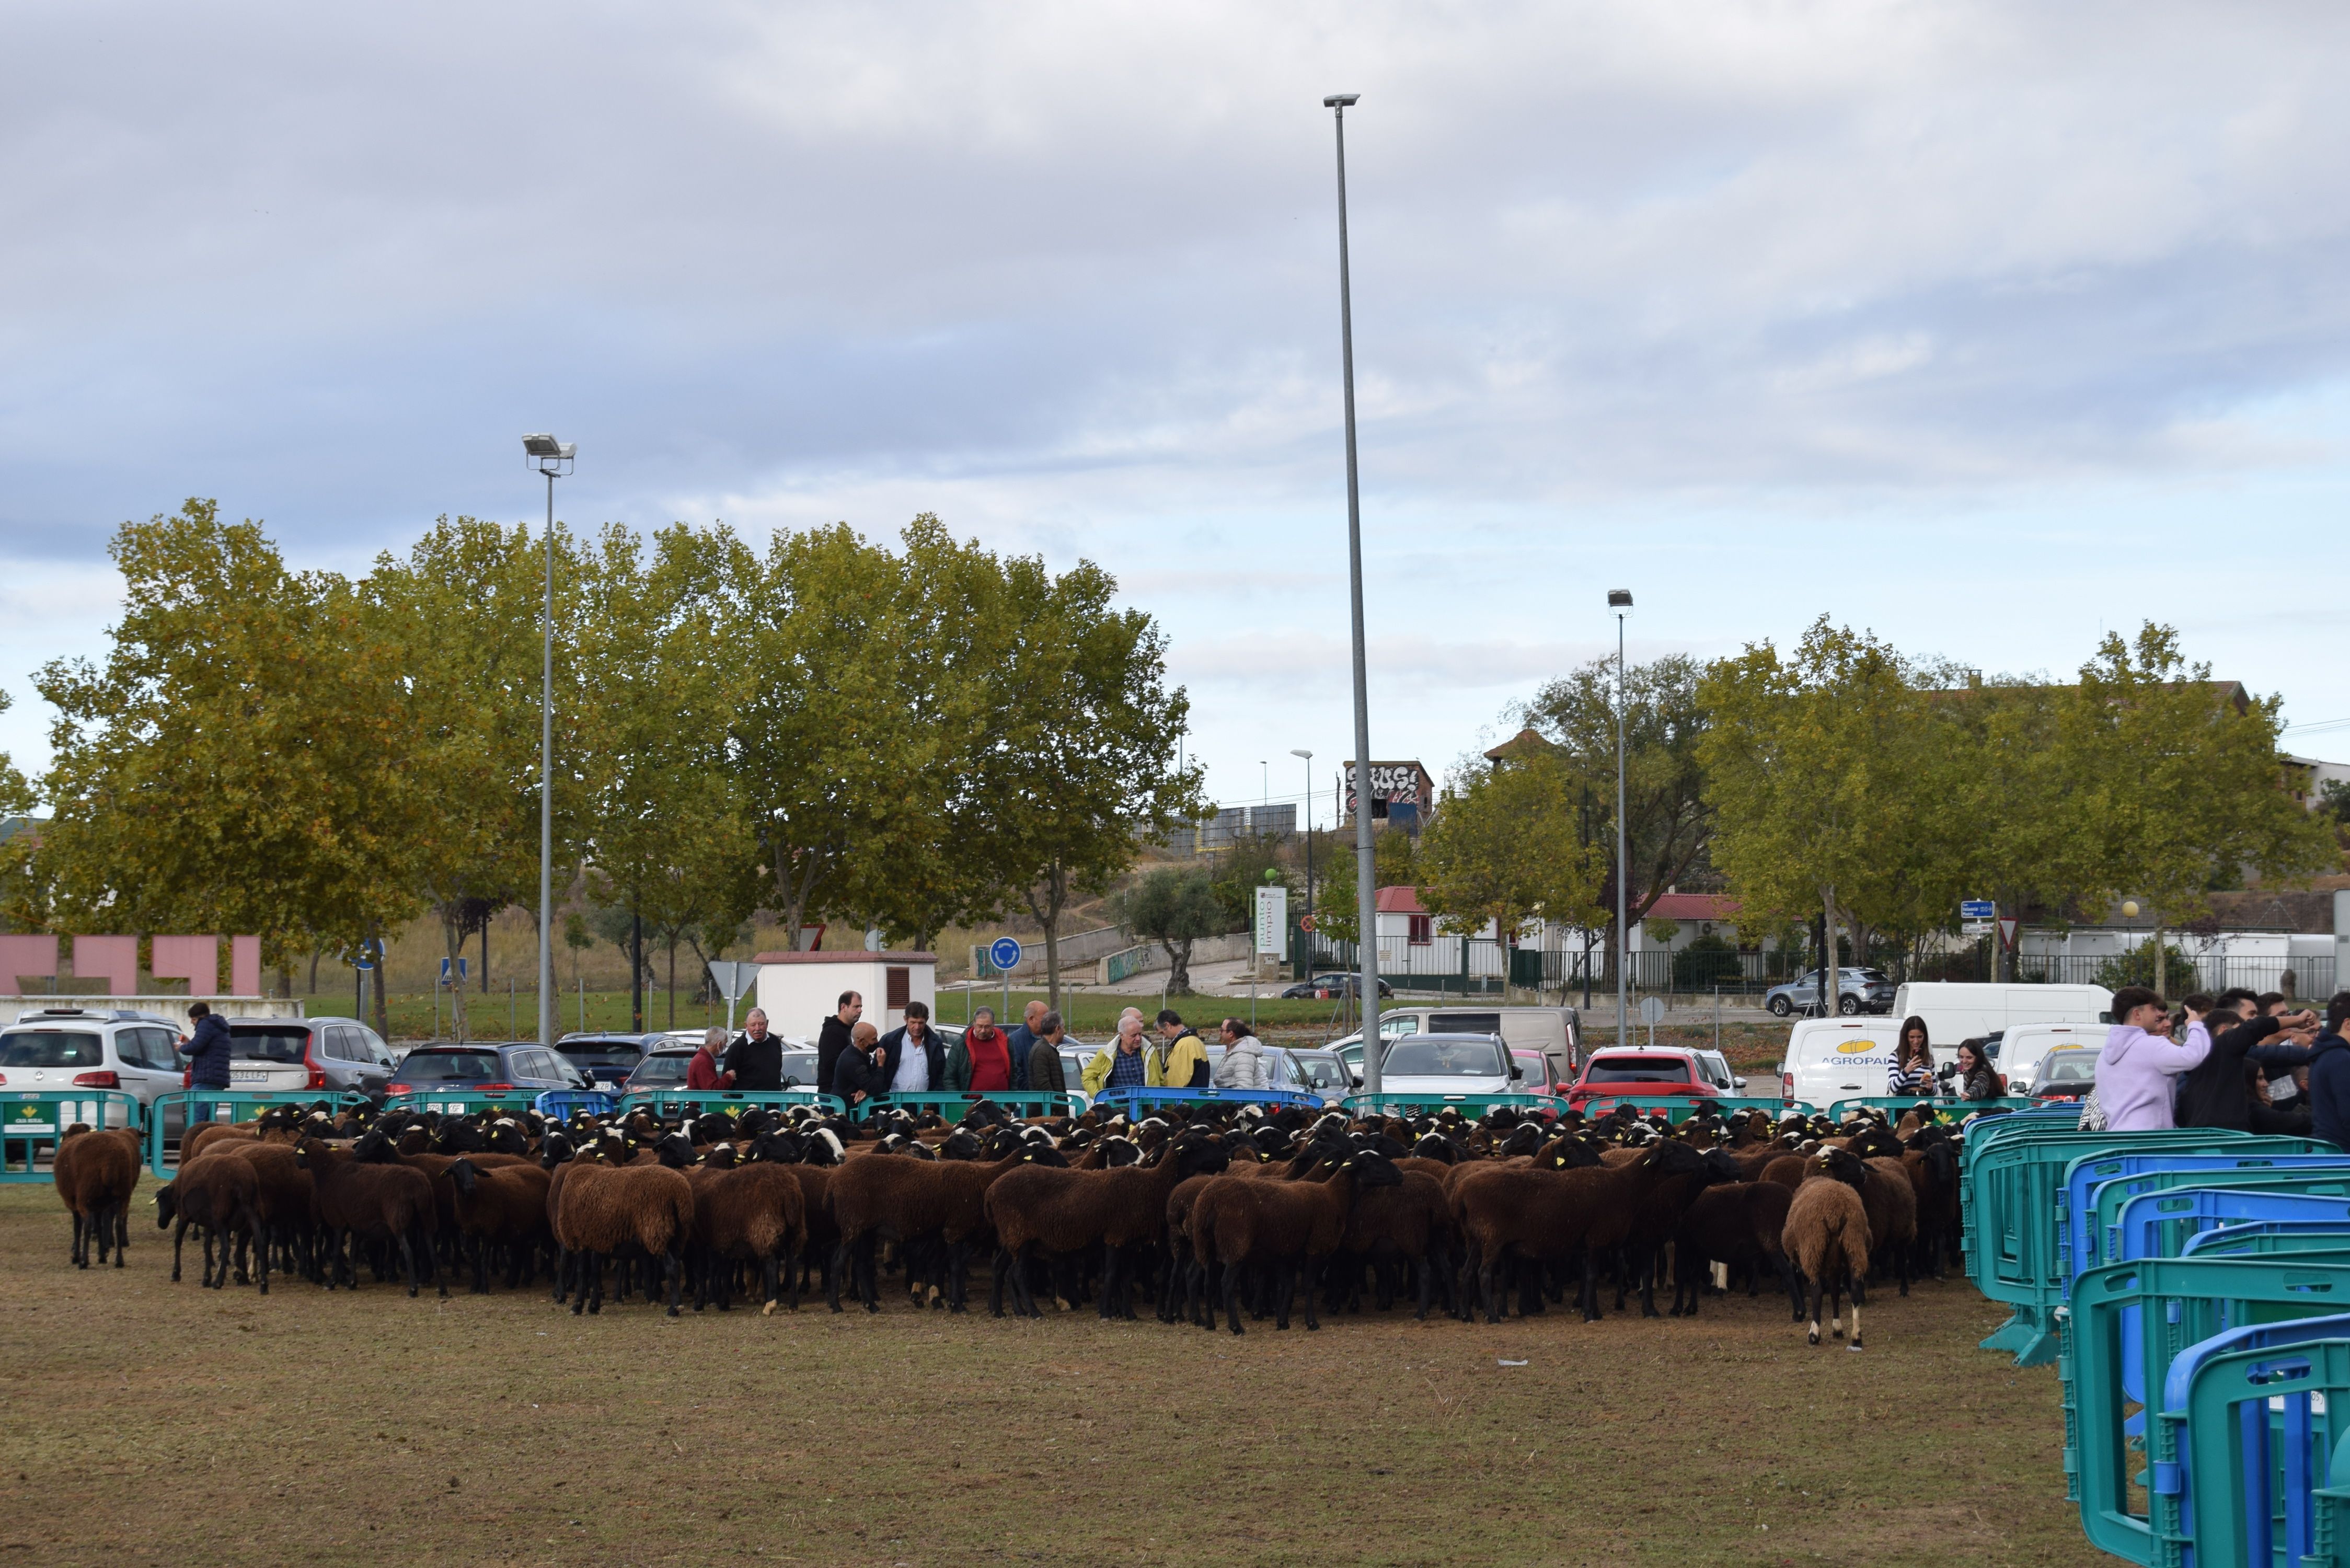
58	1048
1448	1064
485	1069
1641	1070
1858	990
2068	1073
1716	1068
661	1069
301	1055
607	1060
1323	1071
1556	1031
1326	986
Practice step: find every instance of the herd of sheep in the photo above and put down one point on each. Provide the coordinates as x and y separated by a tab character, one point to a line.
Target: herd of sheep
1214	1214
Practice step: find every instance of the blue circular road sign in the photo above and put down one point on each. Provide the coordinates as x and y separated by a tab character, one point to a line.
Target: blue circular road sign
1004	953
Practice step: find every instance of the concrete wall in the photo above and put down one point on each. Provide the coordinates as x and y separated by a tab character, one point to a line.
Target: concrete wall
171	1007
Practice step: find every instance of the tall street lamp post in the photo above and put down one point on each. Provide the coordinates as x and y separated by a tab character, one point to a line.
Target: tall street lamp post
1620	601
1307	757
1367	929
553	458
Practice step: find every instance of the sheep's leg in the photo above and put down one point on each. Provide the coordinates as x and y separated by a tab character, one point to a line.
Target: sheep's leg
1811	1314
1232	1296
1793	1286
261	1258
1285	1289
1310	1269
1105	1305
481	1266
996	1280
958	1275
673	1267
562	1271
1651	1260
594	1264
1589	1299
408	1263
575	1265
1489	1286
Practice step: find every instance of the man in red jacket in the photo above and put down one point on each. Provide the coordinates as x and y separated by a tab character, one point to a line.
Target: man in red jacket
703	1072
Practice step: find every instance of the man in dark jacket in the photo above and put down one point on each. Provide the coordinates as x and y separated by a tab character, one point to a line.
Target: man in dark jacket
917	1030
2215	1093
832	1039
755	1059
858	1076
1023	1041
207	1052
2329	1075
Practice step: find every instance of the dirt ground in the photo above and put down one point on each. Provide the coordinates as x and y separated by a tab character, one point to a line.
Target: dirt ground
144	1421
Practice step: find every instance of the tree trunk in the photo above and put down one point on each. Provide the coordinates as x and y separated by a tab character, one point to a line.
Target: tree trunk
454	934
1831	992
485	955
636	972
383	1008
316	954
1179	966
1055	890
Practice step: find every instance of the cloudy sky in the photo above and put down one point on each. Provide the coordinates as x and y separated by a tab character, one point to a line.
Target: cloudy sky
1987	327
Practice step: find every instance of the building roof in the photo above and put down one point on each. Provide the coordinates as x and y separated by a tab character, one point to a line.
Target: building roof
1694	907
1526	742
1399	901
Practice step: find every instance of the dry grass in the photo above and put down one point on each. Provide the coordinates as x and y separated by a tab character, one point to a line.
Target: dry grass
144	1421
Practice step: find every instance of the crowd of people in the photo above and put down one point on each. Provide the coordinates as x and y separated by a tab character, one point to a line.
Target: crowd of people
2239	1059
860	1064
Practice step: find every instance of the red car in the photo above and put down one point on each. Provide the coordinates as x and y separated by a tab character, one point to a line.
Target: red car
1637	1071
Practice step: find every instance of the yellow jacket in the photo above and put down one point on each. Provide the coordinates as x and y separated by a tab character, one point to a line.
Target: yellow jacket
1180	1060
1096	1072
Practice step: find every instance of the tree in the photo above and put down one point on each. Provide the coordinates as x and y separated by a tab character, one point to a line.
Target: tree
2171	784
1173	906
1504	848
466	610
240	761
1394	864
1091	732
1668	819
1812	764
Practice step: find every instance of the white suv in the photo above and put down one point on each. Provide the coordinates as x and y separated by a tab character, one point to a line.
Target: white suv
59	1049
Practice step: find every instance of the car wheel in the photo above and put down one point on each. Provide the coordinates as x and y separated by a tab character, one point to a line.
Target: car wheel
1848	1005
1780	1007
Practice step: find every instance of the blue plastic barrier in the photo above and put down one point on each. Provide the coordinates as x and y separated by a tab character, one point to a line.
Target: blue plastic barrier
2159	1224
2093	1179
2251	1417
557	1105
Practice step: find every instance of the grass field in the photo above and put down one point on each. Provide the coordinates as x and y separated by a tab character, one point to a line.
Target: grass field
143	1421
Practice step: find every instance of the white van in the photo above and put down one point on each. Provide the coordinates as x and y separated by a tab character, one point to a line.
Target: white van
2015	1053
1831	1059
1961	1010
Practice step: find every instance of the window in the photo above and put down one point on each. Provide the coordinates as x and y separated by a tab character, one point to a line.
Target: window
1444	1058
51	1048
1422	932
374	1049
897	990
338	1043
147	1048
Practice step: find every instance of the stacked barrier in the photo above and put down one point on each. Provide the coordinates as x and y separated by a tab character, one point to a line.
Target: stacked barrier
2195	1286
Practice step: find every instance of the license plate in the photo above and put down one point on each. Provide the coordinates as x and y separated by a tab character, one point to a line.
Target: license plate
249	1077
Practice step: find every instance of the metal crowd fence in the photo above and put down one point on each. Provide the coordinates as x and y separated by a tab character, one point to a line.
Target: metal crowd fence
31	1119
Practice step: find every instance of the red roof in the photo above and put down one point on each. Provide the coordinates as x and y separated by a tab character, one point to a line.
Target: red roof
1694	907
1399	901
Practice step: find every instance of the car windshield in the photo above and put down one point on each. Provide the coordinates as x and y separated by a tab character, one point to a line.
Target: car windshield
51	1048
450	1066
603	1054
1433	1058
1636	1070
1322	1073
268	1045
663	1067
2070	1068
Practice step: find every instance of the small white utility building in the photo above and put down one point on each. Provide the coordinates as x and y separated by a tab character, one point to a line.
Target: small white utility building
800	991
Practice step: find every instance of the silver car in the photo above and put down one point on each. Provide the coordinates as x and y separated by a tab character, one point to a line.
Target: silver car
57	1049
306	1056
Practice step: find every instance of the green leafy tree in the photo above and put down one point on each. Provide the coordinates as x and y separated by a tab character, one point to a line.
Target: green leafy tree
1504	847
466	610
1667	817
2170	785
1252	861
1814	767
1173	906
1394	864
1090	731
239	763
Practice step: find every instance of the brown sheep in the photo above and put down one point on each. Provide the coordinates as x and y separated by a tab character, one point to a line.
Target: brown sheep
362	1202
1034	1208
218	1194
286	1201
1547	1216
1827	1239
1734	1225
499	1205
1285	1226
607	1210
746	1214
96	1174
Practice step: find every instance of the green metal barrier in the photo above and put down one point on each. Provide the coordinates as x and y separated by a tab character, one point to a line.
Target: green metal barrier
1467	1104
951	1105
2261	1428
464	1102
2179	1301
223	1106
2010	1223
31	1117
1140	1102
668	1103
1680	1107
1942	1109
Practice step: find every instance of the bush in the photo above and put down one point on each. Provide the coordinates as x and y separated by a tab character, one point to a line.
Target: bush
1704	961
2137	968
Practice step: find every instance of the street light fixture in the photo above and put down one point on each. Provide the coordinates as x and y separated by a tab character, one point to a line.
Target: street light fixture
1620	601
553	458
1367	929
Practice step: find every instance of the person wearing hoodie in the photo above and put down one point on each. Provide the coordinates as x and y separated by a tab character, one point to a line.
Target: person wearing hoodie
2138	1070
2217	1094
2329	1075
